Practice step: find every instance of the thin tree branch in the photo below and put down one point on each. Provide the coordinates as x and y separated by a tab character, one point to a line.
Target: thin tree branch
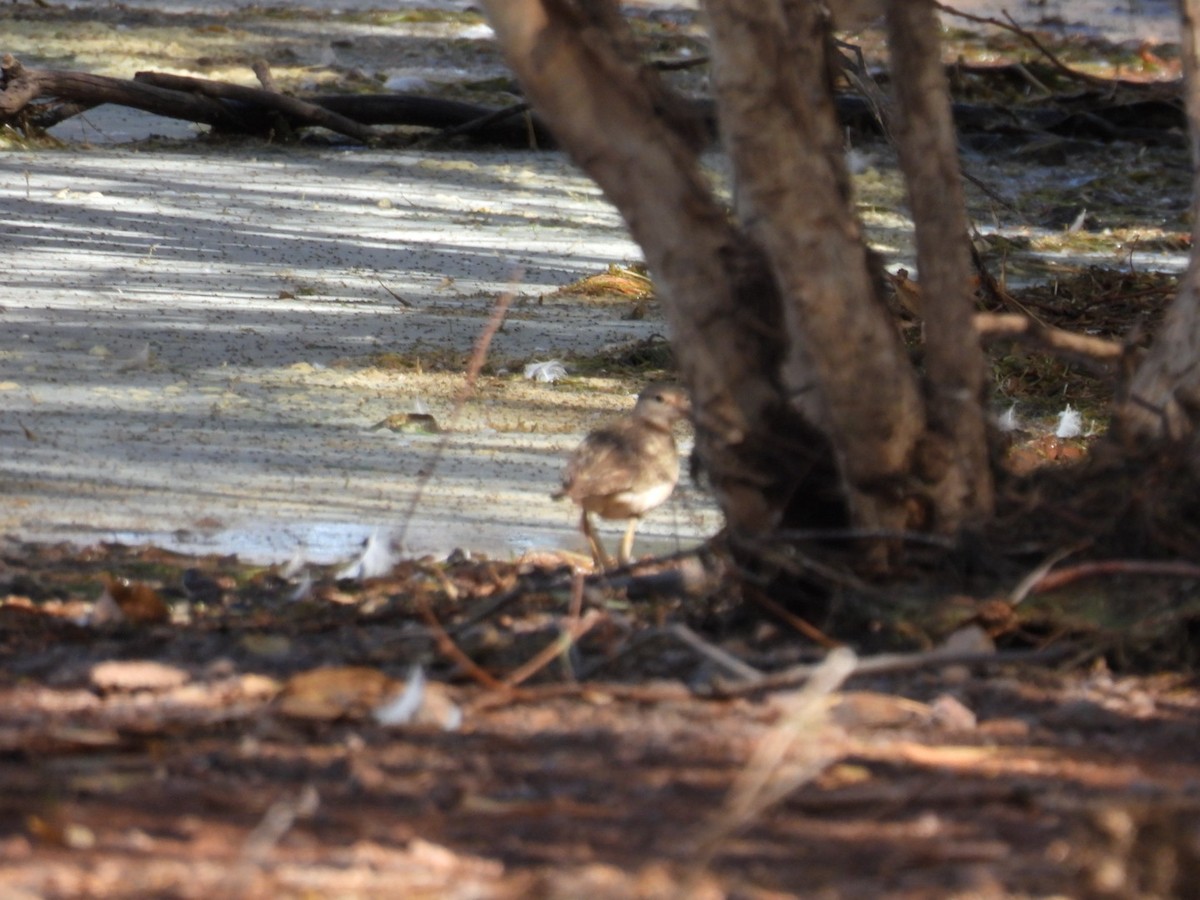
1014	326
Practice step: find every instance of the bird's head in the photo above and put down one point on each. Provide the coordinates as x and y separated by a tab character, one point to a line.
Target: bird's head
662	403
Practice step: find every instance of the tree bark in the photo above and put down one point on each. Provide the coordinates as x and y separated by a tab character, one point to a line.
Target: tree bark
574	62
954	458
808	408
21	85
771	78
288	107
1162	402
236	109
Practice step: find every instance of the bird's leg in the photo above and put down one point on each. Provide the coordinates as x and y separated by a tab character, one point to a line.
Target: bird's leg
626	552
599	556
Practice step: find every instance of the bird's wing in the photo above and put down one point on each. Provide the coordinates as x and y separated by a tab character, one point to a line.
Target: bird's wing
606	462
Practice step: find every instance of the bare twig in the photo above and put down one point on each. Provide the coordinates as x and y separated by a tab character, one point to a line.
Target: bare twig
570	634
735	667
276	822
291	107
890	663
803	627
1027	584
474	365
722	658
451	650
663	582
476	125
394	295
854	68
1013	27
1084	347
1051	581
813	535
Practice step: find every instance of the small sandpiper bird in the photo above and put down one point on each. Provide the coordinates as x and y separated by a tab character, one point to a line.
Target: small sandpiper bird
625	469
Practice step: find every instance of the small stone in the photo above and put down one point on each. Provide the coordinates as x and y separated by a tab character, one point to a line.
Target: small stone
952	714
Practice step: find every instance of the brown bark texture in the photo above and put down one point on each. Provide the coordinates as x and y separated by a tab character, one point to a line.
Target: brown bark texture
960	476
575	63
22	86
806	400
237	109
772	80
1162	401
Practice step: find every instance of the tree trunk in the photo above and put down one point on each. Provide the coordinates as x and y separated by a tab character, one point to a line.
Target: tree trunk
771	76
721	303
954	457
1162	402
808	409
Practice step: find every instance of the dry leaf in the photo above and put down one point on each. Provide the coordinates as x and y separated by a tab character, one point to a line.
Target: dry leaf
868	709
410	422
336	692
129	601
137	675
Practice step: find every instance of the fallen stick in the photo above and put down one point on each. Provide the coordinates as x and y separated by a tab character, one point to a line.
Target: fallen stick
247	110
21	86
295	110
1014	326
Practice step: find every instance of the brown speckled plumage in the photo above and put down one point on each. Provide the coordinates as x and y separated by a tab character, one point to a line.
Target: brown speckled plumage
625	469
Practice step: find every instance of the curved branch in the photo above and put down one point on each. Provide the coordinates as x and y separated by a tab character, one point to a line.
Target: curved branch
1014	326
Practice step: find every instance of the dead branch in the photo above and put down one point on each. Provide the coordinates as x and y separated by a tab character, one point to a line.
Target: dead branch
1051	581
262	71
428	112
263	113
21	86
1014	326
1031	39
891	663
297	112
238	109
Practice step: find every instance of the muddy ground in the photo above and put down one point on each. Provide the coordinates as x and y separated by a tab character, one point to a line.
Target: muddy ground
199	338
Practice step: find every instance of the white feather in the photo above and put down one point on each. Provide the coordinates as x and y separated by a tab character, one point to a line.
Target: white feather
1070	423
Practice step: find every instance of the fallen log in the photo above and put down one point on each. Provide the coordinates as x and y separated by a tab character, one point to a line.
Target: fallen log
294	112
1153	115
237	109
22	86
521	128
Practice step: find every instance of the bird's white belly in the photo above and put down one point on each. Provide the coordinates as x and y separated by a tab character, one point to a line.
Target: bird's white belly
627	504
